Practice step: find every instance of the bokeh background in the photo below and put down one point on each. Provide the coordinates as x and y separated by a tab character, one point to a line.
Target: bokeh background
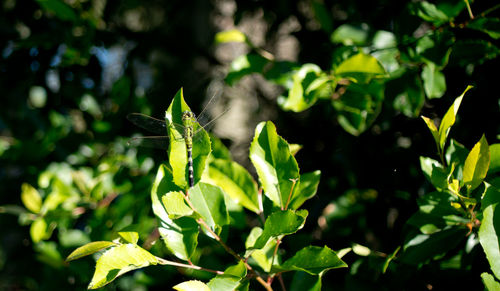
71	71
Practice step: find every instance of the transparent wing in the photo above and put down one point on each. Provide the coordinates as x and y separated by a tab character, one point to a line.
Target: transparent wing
148	123
157	142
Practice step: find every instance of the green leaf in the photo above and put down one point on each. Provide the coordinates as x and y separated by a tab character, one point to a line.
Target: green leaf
232	35
281	223
245	65
307	189
89	249
495	158
348	34
162	185
429	12
323	16
119	260
409	94
31	198
275	165
308	83
129	236
432	127
490	228
471	52
236	182
359	106
488	25
180	236
434	81
449	119
175	205
59	8
192	285
434	172
360	68
208	201
39	230
489	282
264	256
477	164
424	247
303	281
177	152
435	48
313	260
230	280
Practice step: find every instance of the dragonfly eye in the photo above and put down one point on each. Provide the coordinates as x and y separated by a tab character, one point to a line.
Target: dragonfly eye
187	115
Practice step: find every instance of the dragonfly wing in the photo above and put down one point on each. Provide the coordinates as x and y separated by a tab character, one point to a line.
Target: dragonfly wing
149	123
157	142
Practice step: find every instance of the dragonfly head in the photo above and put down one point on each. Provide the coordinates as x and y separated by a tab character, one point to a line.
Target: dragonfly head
187	115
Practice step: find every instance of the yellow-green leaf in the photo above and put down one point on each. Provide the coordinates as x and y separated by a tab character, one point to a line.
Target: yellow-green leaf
129	236
232	35
89	249
119	260
449	119
192	285
361	68
432	128
38	230
31	198
476	164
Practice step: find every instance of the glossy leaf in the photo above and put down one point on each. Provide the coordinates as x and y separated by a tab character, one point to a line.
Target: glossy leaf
180	236
230	280
432	127
245	65
119	260
434	81
477	164
280	223
489	232
429	12
360	68
275	165
162	185
307	189
129	236
232	35
31	198
177	153
192	285
175	205
236	182
89	249
434	172
313	260
488	25
449	119
208	201
348	34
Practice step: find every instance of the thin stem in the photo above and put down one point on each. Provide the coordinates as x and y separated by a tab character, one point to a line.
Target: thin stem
469	9
176	264
294	181
281	282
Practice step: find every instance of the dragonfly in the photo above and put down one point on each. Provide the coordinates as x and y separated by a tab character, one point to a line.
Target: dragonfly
158	126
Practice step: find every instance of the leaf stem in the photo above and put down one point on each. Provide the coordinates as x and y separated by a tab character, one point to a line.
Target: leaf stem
469	9
294	181
176	264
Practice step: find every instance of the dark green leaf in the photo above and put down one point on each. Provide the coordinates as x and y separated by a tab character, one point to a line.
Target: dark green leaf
303	281
323	16
495	158
59	8
434	82
359	106
491	26
409	94
313	260
467	52
308	185
429	12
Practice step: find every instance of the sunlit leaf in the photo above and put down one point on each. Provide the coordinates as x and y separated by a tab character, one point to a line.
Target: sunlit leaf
39	230
89	249
192	285
348	34
477	164
232	35
231	278
208	201
31	198
180	236
245	65
306	88
264	256
236	182
275	165
490	228
129	236
360	68
489	282
119	260
281	223
434	81
175	205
